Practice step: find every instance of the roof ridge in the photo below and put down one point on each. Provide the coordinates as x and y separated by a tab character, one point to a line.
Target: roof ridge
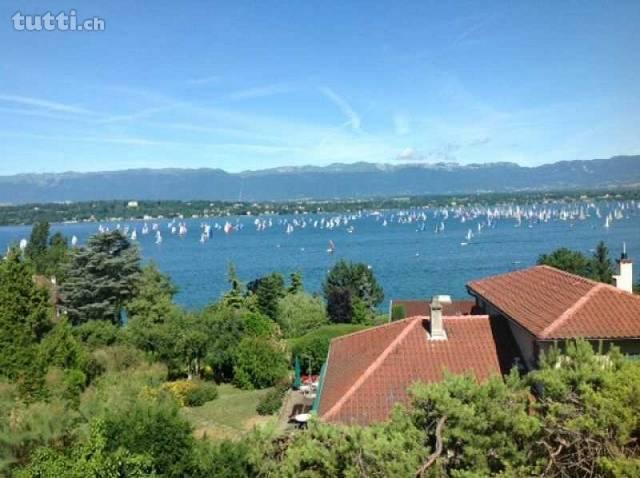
373	367
369	329
537	266
570	312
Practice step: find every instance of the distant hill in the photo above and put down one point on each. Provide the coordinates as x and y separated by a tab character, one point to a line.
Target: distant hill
337	181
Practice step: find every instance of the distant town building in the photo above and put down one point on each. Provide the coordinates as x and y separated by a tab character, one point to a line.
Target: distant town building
132	204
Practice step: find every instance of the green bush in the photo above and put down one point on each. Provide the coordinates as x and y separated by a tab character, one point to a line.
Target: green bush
272	401
259	363
97	333
313	347
203	393
300	313
398	312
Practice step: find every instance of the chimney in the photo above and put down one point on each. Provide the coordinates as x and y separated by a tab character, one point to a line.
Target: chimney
437	331
624	279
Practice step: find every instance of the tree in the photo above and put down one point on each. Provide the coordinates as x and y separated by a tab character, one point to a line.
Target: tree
300	313
24	320
347	281
268	291
235	296
601	268
101	279
36	249
259	363
295	283
567	260
90	459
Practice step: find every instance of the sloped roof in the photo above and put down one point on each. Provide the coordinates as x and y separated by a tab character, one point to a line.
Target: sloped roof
553	304
369	371
414	308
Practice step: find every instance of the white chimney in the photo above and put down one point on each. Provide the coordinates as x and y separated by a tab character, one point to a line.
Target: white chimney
437	331
624	279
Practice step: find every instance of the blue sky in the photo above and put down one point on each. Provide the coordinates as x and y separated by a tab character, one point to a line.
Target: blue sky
251	85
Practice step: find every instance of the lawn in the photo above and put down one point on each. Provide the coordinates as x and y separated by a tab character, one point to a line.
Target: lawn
230	415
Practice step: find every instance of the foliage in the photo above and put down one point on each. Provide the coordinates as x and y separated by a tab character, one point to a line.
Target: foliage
268	291
259	363
398	312
567	260
24	320
89	460
98	333
589	409
300	313
313	347
296	285
101	278
234	298
601	268
26	427
154	293
223	459
346	282
271	403
191	393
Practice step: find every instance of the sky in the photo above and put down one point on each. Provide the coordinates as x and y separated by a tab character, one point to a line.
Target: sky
244	85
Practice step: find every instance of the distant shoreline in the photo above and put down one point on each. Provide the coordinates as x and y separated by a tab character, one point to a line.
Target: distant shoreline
117	210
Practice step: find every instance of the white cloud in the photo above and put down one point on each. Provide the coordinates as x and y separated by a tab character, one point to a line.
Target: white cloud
353	118
44	104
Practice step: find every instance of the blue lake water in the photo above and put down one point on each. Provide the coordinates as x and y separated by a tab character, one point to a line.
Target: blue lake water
409	258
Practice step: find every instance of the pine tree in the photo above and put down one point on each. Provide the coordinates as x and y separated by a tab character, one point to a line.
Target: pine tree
601	266
36	250
296	284
24	319
346	282
101	278
268	291
235	296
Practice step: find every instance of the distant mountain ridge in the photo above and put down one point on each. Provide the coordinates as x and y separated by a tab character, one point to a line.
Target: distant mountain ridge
336	181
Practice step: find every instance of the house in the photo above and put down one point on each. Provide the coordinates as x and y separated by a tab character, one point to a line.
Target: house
512	319
369	371
545	306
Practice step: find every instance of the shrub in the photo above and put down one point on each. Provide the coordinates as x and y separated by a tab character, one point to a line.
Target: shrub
259	363
191	393
398	312
313	347
300	313
97	333
205	392
272	401
118	358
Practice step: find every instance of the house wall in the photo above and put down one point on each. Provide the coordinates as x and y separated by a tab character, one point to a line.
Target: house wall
525	340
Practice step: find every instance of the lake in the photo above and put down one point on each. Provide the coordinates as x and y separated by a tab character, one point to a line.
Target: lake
408	256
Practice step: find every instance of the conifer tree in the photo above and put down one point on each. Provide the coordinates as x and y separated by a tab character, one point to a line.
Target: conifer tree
101	278
601	266
296	284
24	319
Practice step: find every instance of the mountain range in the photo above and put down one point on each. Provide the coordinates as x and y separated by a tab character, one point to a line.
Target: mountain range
336	181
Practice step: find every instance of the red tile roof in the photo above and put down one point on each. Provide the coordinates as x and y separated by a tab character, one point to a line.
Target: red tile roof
369	371
554	304
414	308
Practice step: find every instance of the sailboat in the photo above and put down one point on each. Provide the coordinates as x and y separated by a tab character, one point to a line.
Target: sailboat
134	235
74	241
289	228
158	237
332	248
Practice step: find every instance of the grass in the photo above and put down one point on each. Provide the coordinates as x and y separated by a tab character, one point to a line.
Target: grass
229	416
